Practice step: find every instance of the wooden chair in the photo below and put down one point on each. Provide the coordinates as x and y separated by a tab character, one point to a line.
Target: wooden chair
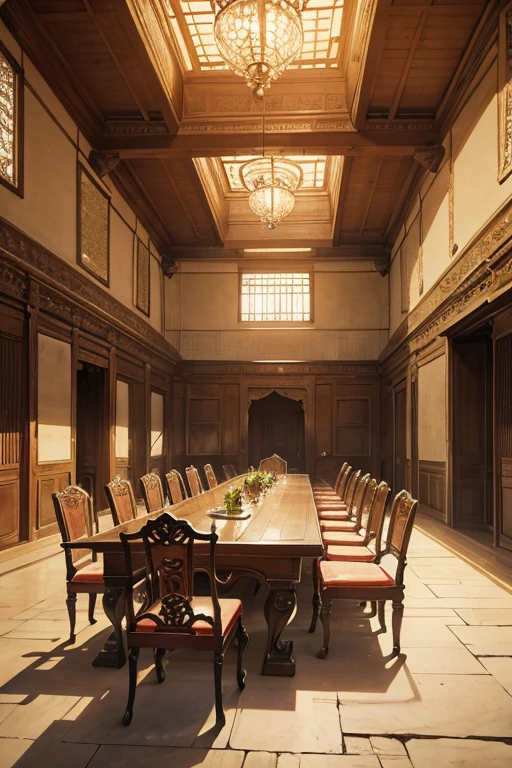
152	492
321	487
194	481
351	545
121	500
229	471
370	582
275	464
335	520
73	511
337	491
176	486
339	501
174	618
210	476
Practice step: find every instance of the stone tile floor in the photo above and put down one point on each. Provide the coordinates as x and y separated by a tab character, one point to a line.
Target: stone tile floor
446	701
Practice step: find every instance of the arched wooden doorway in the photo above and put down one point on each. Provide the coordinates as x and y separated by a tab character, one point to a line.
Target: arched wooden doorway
276	425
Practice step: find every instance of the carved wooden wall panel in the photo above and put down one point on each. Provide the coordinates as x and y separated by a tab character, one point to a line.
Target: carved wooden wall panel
13	409
48	483
432	488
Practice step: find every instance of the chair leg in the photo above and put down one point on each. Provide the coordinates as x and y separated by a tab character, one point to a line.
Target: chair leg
381	612
218	661
316	598
325	619
92	604
71	606
132	668
243	641
398	612
160	671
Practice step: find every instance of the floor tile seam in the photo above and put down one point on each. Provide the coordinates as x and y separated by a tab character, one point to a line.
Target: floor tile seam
464	558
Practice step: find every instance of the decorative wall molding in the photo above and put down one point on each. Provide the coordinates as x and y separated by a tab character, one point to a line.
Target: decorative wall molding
279	369
135	128
505	94
34	275
325	123
481	271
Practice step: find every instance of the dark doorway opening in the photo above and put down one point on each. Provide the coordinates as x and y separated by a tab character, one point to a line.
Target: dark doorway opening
473	430
276	425
91	432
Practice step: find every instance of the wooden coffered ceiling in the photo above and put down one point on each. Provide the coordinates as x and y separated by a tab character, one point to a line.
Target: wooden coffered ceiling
381	110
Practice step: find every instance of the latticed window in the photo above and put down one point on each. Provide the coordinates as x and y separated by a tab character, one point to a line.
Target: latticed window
9	120
276	297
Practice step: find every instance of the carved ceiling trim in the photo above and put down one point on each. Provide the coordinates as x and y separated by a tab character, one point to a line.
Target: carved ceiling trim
34	275
481	271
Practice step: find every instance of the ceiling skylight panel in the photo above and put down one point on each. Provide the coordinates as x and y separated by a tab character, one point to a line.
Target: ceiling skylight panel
321	21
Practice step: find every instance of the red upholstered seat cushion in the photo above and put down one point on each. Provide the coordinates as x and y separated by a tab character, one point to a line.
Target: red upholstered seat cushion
346	538
343	553
339	525
348	574
332	514
90	574
230	612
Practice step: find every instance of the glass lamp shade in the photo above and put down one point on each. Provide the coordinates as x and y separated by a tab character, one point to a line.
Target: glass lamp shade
271	182
258	38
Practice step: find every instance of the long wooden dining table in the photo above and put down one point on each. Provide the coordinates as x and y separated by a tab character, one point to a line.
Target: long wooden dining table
270	545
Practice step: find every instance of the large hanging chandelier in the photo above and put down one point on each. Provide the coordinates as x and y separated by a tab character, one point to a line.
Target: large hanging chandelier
258	38
271	182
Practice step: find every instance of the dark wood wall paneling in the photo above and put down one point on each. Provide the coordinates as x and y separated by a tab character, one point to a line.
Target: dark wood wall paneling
502	334
432	488
341	414
40	293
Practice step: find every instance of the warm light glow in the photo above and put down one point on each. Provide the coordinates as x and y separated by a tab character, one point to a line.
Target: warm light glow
275	297
321	24
258	38
313	170
271	182
277	250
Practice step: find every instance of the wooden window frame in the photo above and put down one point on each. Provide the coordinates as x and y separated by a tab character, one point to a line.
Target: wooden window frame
276	323
18	186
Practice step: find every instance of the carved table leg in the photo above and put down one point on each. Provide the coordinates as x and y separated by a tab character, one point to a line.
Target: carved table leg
280	608
113	654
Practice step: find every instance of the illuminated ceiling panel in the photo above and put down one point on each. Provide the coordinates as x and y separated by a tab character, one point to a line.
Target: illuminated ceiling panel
313	169
192	24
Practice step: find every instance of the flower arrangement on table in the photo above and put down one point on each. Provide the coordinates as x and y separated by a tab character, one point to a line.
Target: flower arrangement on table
255	485
233	501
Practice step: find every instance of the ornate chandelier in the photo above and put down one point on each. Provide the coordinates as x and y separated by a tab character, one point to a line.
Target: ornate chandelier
271	182
258	38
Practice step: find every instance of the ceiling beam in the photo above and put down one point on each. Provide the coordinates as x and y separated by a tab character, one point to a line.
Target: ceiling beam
379	141
349	252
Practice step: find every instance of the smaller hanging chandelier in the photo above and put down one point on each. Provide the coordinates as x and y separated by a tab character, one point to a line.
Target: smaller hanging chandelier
258	38
271	182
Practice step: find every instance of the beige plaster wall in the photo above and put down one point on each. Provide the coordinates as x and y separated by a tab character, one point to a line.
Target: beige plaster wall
47	211
53	400
350	311
122	419
477	196
432	410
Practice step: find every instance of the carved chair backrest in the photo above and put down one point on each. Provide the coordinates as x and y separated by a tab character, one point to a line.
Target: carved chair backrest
342	486
275	464
210	476
73	510
339	476
194	481
229	471
377	513
357	506
351	487
152	492
169	549
401	521
176	486
121	500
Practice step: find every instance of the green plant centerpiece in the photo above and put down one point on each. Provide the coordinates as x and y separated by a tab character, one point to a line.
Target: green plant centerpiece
233	501
257	483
